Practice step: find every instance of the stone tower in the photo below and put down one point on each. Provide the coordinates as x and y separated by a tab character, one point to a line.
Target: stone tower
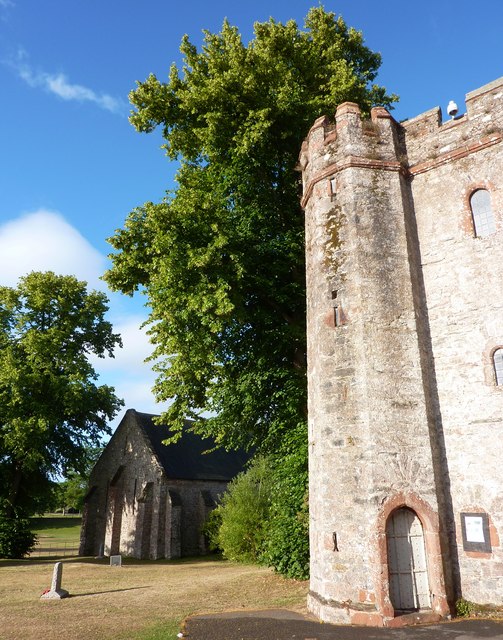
405	329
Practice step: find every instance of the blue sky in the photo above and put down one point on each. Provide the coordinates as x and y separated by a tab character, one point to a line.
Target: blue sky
72	167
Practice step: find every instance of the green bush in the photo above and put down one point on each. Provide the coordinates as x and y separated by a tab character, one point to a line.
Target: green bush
244	513
16	537
211	528
263	516
286	547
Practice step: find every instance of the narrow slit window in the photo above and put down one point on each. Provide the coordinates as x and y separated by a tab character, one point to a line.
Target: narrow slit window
498	366
483	218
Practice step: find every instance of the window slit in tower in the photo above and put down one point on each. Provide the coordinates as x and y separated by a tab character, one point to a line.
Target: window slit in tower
337	311
333	188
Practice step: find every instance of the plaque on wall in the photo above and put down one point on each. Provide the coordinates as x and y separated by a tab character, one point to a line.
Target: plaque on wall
475	528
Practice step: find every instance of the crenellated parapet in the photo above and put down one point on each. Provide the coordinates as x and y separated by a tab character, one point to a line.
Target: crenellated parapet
431	142
352	141
412	147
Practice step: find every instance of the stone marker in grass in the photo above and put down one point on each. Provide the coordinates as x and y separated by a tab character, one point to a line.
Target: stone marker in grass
56	592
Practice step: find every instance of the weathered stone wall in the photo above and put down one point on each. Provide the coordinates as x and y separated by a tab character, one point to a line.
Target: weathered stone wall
135	510
463	278
386	237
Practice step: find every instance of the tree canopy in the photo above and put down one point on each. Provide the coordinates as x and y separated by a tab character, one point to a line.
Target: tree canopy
51	407
221	259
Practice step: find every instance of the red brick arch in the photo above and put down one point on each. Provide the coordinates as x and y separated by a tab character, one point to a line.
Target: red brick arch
430	523
467	219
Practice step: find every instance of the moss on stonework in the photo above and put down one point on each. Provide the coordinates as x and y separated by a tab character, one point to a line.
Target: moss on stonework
334	243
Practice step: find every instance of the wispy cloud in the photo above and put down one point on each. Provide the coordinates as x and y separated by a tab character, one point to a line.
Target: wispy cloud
4	4
59	85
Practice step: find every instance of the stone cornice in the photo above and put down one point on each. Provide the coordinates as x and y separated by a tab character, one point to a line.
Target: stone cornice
349	163
393	165
456	154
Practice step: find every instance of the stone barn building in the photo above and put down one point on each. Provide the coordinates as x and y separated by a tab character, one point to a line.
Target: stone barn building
404	235
148	500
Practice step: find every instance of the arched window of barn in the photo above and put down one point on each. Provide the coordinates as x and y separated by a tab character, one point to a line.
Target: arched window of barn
483	218
498	366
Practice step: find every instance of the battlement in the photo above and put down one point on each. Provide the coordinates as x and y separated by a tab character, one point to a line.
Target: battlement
414	146
351	140
430	142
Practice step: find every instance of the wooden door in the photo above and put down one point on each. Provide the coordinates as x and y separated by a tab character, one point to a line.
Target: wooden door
408	573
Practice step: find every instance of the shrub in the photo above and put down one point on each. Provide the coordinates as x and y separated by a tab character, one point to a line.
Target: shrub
244	513
263	516
16	537
211	528
286	546
463	608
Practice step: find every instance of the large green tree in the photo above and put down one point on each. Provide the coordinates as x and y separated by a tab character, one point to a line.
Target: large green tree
51	407
221	258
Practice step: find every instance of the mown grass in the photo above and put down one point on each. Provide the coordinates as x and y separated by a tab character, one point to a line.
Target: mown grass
56	534
142	600
55	527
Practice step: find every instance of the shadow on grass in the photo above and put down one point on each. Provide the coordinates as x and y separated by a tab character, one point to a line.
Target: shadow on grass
61	522
195	560
99	593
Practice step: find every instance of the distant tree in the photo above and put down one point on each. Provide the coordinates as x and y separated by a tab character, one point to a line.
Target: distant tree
69	494
221	259
51	408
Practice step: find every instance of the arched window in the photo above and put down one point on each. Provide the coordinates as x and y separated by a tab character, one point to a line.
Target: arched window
483	219
498	366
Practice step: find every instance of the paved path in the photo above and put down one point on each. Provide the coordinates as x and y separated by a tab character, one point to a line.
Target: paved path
286	625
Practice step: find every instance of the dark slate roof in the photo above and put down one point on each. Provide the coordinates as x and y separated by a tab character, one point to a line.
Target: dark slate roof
186	459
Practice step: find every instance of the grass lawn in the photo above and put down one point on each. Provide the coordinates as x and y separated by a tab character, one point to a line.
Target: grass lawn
56	534
139	601
56	526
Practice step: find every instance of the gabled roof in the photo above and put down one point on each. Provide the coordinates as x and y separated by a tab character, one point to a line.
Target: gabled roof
186	459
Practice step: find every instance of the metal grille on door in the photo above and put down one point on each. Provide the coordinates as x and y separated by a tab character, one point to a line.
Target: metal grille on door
408	574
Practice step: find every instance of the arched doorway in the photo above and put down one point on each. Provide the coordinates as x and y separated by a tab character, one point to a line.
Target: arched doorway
116	506
408	573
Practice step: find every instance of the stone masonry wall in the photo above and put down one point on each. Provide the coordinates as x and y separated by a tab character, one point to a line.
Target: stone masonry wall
135	510
404	310
463	277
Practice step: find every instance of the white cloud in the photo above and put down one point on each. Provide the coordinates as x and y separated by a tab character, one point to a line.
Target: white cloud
135	350
128	372
4	4
44	241
59	85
